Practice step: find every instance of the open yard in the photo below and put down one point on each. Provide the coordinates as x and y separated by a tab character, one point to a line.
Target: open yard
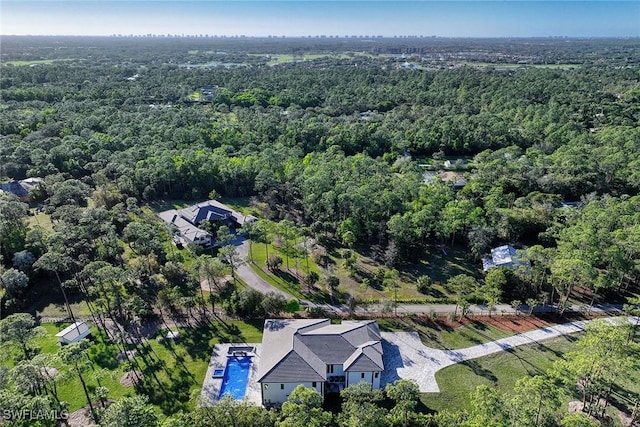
171	369
501	370
439	265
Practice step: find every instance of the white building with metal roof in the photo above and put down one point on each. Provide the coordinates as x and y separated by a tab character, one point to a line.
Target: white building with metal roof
73	333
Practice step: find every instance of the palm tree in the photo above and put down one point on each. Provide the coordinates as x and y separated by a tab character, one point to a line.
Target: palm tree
56	262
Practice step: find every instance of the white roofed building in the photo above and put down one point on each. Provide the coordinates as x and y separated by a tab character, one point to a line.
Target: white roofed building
504	256
73	333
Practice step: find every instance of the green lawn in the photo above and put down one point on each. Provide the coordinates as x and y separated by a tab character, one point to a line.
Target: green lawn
71	390
42	220
173	369
501	370
437	265
442	337
285	279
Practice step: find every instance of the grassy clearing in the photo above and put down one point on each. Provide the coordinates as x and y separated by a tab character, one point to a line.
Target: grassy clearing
436	335
439	266
501	370
288	280
41	220
70	390
36	61
172	369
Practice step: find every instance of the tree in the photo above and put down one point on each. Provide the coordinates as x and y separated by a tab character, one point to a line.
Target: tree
224	236
578	419
487	408
251	230
56	262
423	284
212	270
75	357
20	329
23	260
229	255
494	282
391	278
304	408
131	411
462	286
566	273
332	282
534	401
360	408
310	279
274	262
12	225
232	413
14	281
603	356
406	395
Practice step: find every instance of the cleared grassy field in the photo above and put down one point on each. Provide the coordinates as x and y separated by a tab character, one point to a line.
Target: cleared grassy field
442	337
41	220
172	369
35	61
288	280
501	370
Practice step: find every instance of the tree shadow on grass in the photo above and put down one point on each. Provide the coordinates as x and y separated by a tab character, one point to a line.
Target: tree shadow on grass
196	340
104	355
286	276
480	371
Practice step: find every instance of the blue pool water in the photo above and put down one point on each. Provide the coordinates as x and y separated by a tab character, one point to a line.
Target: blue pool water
236	375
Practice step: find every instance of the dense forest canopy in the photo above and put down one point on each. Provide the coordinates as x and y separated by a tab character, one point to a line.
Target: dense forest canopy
317	137
391	148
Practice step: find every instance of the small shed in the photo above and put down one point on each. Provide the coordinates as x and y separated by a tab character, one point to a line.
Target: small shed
73	333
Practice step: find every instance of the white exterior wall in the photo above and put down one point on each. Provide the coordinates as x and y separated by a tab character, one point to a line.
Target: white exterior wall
273	393
369	377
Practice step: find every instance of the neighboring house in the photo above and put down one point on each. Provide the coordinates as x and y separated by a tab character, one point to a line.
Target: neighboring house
186	220
73	333
504	256
24	188
317	354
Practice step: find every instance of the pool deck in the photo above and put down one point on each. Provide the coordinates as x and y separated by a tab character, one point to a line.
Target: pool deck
211	385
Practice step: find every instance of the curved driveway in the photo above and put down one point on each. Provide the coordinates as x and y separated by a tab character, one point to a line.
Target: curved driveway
249	276
406	357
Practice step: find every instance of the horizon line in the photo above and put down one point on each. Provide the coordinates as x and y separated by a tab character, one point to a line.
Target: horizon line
322	36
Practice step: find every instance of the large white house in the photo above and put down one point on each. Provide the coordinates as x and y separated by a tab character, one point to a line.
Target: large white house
317	354
187	220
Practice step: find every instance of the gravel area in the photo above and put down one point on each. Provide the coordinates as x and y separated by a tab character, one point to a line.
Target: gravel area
406	357
211	385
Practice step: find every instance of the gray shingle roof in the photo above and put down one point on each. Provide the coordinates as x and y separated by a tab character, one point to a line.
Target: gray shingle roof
299	350
188	219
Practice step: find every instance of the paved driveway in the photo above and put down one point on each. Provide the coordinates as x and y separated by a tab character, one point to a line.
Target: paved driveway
406	357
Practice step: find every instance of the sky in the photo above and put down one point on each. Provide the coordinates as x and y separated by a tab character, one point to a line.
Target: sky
444	18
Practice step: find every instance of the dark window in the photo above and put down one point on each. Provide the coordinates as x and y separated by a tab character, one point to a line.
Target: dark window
377	373
281	386
329	369
313	384
362	375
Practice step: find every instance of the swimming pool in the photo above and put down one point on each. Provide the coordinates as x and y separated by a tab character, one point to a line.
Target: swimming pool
236	375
